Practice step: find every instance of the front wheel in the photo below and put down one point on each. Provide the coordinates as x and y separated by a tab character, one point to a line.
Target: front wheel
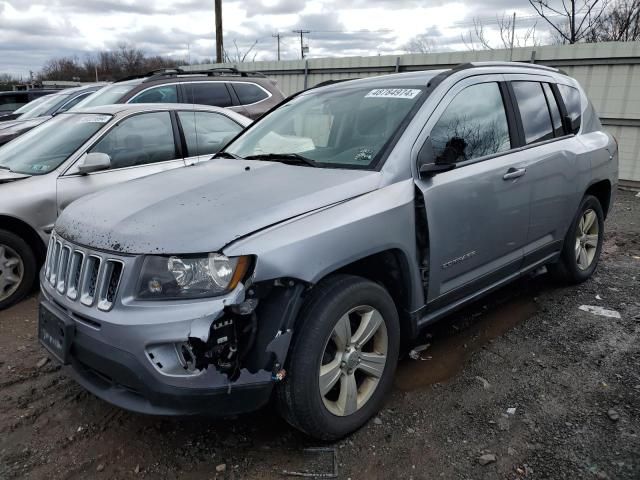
343	359
583	243
17	269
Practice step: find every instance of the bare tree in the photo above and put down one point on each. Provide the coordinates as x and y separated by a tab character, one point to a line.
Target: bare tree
572	21
507	33
477	39
620	23
240	56
420	44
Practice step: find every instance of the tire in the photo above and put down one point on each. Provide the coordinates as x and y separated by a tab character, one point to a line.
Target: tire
18	268
316	344
572	268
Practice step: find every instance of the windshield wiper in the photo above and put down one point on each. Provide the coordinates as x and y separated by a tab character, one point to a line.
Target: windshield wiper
227	155
293	158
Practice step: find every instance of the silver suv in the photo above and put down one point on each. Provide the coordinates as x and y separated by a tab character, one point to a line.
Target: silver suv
323	238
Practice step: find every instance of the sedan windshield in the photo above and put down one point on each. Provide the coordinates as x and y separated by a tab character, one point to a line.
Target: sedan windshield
45	147
344	128
106	96
33	104
49	102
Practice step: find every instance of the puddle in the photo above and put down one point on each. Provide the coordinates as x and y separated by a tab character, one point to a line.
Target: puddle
450	348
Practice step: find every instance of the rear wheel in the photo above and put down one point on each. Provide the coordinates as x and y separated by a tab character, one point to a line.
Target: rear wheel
583	243
343	358
17	269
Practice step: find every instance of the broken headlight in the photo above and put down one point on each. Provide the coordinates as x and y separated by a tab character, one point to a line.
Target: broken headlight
190	276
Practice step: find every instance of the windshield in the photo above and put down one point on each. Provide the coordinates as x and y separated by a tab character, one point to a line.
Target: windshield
345	128
45	147
44	105
105	96
32	104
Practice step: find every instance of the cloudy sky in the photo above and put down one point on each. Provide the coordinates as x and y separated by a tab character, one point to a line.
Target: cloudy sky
32	31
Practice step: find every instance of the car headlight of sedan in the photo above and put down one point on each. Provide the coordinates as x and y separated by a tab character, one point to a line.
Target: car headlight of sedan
190	276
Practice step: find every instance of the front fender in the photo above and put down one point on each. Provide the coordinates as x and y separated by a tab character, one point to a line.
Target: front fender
312	246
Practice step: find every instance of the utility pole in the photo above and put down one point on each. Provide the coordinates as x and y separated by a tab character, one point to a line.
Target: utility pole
513	33
301	32
219	44
277	35
96	67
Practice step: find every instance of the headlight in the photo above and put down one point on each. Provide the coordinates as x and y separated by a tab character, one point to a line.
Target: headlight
190	276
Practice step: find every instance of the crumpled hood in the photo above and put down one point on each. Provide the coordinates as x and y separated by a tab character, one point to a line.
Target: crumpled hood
205	207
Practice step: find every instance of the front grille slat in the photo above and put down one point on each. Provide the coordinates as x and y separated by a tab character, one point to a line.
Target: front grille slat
75	269
109	285
89	280
63	269
90	277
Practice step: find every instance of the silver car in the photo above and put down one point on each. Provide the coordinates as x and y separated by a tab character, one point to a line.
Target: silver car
324	237
77	153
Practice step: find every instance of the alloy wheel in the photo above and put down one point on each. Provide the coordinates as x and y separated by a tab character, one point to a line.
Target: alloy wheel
587	235
354	359
11	271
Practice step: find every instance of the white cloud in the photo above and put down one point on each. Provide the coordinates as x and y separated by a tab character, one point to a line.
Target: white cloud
32	31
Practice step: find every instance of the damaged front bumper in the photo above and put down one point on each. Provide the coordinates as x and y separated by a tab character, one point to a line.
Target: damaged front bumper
140	356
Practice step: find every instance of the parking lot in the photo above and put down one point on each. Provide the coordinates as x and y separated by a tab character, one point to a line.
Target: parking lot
524	378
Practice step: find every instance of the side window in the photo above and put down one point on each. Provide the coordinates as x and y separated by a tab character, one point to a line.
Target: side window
139	140
210	93
161	94
249	93
571	98
206	133
556	117
73	102
534	112
473	125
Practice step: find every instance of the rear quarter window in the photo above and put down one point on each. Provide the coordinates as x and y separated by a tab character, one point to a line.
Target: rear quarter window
249	93
571	99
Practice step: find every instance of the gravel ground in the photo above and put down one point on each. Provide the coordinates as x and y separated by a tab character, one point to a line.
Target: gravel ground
521	385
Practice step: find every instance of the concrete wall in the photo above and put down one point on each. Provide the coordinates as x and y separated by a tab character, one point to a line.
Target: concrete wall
609	72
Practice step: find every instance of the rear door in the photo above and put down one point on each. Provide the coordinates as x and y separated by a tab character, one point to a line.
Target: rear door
549	156
477	213
139	145
215	93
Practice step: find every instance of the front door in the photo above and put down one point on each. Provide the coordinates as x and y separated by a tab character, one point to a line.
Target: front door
477	213
138	146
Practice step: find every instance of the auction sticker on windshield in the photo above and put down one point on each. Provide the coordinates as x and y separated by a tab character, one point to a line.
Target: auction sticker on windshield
95	118
393	93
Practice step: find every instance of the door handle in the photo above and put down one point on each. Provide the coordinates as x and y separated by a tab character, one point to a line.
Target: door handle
514	173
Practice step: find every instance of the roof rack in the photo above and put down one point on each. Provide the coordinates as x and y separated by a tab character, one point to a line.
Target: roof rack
174	72
537	66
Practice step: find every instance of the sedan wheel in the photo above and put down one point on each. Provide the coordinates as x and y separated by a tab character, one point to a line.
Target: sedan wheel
353	361
11	271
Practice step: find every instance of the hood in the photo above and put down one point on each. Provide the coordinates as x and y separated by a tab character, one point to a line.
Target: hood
20	125
203	208
6	176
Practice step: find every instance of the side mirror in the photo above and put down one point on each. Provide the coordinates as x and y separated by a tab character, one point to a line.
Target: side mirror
94	162
429	164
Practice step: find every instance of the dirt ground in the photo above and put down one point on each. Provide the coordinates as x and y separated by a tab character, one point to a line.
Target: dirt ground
548	389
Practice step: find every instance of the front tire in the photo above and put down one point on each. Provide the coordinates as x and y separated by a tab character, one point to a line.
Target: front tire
583	243
17	269
343	358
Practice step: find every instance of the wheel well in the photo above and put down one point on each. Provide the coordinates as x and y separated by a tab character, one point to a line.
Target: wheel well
27	233
389	269
602	191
